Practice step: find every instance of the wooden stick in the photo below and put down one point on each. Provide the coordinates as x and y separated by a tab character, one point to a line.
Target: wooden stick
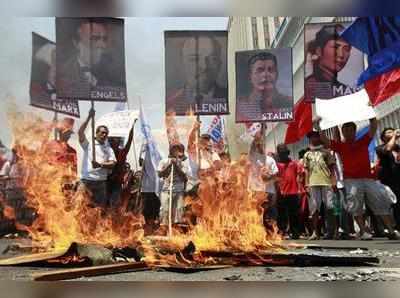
134	146
198	145
170	202
264	143
91	100
197	100
89	271
33	258
93	135
55	122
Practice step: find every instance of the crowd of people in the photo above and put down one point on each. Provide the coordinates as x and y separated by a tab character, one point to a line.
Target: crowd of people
329	192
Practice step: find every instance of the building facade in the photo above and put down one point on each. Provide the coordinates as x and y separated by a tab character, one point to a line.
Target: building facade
247	33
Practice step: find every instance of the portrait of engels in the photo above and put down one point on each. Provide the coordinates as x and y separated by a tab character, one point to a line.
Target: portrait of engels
89	64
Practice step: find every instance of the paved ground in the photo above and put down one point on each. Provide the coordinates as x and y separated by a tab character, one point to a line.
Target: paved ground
388	269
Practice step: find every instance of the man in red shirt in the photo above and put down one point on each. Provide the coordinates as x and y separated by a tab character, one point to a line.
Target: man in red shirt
288	181
116	178
360	186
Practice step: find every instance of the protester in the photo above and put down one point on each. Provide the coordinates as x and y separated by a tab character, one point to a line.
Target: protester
15	167
345	219
128	189
304	213
149	188
225	166
173	170
7	163
321	182
263	170
6	158
360	187
94	173
288	202
115	180
208	161
389	165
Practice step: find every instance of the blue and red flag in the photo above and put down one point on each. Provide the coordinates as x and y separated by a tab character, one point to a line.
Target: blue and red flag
379	38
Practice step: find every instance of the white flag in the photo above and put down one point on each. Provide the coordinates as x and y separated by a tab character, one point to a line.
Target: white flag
150	179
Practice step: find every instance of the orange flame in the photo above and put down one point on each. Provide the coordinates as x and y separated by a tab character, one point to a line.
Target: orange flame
229	216
62	218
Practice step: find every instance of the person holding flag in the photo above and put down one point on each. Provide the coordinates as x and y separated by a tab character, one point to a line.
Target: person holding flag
149	181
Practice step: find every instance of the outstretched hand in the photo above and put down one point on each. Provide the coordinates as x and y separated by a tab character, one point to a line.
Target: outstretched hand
316	122
196	125
92	113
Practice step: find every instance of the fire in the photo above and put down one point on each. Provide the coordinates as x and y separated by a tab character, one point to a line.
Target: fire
228	215
231	215
62	217
228	218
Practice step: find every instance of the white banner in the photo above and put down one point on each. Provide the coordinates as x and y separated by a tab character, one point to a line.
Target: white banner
119	123
350	108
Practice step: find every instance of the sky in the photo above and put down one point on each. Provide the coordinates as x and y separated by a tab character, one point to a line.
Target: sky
144	52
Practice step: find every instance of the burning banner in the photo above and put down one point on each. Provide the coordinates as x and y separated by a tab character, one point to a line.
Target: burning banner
91	59
43	79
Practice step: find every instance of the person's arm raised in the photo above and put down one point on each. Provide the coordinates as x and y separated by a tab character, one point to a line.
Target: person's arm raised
373	127
392	142
324	139
192	148
82	128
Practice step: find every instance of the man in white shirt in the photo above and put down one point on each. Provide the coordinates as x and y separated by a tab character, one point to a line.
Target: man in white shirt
209	160
263	170
94	173
176	164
